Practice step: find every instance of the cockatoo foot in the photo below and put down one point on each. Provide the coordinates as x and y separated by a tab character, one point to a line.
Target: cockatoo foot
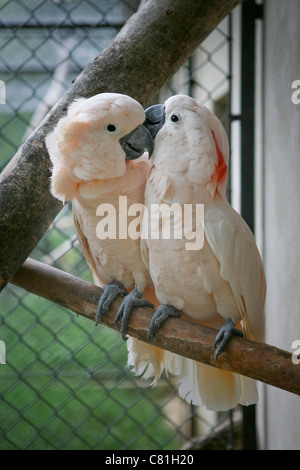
226	332
110	293
160	316
133	299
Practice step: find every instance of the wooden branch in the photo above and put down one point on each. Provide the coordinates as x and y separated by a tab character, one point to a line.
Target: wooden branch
260	361
153	44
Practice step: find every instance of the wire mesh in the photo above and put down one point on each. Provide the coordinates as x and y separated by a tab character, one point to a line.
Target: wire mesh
65	384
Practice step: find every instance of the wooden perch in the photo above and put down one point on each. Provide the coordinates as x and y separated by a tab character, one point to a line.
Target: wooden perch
259	361
146	53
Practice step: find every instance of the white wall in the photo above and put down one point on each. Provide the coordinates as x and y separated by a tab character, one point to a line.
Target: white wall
281	427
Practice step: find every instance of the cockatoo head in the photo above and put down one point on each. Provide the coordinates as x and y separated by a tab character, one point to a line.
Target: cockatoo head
94	141
189	142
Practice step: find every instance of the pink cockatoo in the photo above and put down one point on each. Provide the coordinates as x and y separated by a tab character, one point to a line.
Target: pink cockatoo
220	283
94	150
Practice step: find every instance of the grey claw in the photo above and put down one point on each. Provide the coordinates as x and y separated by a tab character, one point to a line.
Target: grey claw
223	337
160	316
110	293
131	300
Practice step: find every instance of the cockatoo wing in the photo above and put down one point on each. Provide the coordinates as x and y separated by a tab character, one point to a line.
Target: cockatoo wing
85	247
234	246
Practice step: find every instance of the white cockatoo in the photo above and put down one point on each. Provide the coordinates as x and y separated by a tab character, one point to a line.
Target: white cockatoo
220	280
93	150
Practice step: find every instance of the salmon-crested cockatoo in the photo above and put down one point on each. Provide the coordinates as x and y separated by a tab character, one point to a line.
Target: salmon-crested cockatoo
95	152
220	282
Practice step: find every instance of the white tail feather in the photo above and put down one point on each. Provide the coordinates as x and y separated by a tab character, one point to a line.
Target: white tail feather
199	384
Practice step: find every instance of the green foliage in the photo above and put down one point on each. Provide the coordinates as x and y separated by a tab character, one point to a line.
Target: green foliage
12	129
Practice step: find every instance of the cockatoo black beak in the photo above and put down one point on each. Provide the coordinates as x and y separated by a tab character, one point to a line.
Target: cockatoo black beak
155	119
137	142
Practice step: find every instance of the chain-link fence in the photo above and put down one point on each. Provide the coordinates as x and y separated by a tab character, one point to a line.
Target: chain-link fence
65	384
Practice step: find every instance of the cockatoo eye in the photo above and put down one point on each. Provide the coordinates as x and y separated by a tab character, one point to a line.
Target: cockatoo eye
174	117
111	128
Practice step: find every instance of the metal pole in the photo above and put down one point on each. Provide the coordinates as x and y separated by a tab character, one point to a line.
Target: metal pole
250	12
